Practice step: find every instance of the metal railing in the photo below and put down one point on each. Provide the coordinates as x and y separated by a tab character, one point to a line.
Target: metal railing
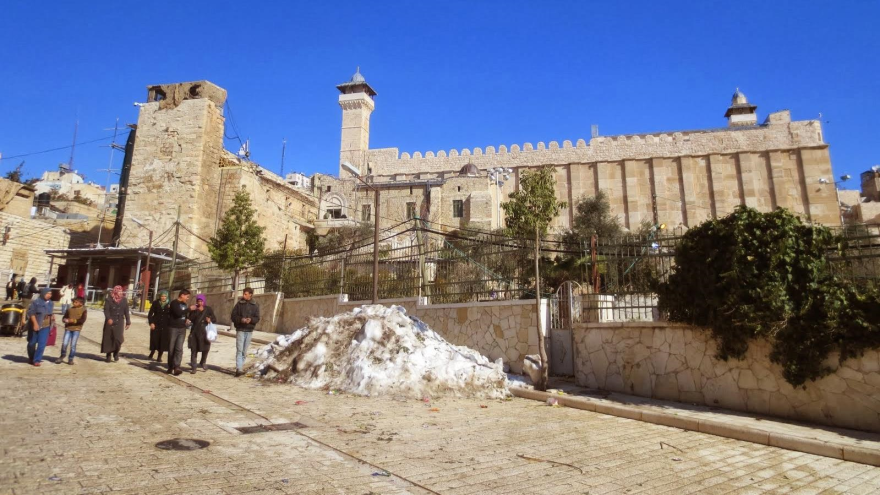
616	276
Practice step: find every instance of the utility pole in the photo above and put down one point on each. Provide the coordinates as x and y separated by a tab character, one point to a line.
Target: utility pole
73	146
281	268
376	250
174	251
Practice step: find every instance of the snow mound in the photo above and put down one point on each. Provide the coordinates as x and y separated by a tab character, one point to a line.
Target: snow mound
377	350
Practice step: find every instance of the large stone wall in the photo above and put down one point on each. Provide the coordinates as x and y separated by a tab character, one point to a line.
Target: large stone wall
500	329
24	253
677	362
179	160
685	177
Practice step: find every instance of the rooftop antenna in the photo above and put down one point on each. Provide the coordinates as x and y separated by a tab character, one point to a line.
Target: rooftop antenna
109	170
283	147
73	146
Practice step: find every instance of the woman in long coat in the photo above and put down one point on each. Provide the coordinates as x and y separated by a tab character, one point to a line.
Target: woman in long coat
200	315
117	319
160	333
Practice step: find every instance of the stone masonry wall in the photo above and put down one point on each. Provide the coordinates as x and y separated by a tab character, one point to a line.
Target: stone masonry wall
677	362
502	329
24	251
686	177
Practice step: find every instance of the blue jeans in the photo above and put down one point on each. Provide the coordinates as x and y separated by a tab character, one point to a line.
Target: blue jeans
64	308
70	337
242	342
37	343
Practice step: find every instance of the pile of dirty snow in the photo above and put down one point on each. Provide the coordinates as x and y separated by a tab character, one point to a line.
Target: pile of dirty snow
376	350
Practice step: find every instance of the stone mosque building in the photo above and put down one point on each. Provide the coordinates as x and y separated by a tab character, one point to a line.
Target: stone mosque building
678	178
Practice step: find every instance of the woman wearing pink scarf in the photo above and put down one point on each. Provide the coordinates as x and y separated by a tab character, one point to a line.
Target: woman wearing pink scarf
115	312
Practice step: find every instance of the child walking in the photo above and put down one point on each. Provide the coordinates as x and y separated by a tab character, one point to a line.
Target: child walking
74	318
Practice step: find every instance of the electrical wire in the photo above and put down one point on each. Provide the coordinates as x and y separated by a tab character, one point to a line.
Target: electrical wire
22	155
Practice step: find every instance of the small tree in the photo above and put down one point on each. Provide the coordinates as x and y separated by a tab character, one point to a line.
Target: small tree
239	242
592	216
529	213
15	175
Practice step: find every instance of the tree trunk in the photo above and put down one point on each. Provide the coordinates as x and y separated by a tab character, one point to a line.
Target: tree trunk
542	349
235	280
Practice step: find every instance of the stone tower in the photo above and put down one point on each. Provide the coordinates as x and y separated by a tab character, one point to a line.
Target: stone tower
740	111
176	161
357	104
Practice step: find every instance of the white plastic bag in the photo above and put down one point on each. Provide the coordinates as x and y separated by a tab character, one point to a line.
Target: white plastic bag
211	330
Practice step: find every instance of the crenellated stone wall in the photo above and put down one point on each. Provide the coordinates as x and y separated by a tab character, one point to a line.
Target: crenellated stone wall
678	179
677	362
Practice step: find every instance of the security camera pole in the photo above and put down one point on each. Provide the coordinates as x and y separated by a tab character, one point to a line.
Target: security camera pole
357	174
843	178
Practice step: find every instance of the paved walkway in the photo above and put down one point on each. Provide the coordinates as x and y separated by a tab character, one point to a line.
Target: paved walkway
92	427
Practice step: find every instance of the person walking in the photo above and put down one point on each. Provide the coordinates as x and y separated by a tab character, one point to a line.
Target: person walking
40	318
81	292
10	288
66	297
74	318
200	315
245	316
117	319
160	334
177	322
21	288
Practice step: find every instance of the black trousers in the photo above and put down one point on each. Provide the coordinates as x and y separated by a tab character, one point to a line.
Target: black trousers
175	348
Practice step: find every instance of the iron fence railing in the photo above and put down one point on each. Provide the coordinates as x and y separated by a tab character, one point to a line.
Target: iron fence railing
616	277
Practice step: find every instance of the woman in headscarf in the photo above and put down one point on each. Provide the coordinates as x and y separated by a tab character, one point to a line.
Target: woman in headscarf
160	334
117	319
200	315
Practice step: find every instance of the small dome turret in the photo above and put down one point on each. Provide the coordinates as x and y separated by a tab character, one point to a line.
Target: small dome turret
469	170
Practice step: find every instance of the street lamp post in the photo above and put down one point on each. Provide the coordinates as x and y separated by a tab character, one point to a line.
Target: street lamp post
147	271
498	175
357	174
843	178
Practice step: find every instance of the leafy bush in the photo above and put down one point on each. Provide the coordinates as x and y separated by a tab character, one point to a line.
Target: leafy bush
753	274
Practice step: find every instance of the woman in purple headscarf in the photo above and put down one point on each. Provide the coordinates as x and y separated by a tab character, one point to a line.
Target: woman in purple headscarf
200	315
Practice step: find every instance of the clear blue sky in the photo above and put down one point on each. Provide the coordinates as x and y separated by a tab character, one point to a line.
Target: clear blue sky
449	74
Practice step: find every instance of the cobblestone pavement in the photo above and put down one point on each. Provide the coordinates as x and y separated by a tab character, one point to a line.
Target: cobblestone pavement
92	427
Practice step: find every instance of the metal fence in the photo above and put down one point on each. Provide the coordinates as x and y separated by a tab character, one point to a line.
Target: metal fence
614	278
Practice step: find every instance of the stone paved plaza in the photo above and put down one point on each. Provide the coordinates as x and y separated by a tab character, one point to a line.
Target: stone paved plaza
93	427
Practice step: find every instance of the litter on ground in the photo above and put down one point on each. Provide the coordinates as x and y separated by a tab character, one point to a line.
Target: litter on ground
379	350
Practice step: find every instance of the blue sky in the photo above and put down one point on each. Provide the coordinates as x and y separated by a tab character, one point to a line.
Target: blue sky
449	75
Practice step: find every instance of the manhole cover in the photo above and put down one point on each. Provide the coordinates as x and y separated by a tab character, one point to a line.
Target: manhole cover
183	444
265	428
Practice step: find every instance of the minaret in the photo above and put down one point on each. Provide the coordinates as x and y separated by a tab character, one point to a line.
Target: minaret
357	104
740	111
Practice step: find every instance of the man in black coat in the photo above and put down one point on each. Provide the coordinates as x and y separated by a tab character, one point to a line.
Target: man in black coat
245	316
177	322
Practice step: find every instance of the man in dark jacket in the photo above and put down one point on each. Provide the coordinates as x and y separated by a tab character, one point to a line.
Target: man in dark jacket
177	322
245	316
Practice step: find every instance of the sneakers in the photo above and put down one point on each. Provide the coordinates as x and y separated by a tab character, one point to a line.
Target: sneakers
70	361
59	360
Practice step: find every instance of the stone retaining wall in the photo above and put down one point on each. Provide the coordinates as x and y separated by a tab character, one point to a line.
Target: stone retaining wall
677	362
499	329
223	302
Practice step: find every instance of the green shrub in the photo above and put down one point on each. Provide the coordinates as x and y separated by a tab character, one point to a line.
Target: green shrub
752	274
